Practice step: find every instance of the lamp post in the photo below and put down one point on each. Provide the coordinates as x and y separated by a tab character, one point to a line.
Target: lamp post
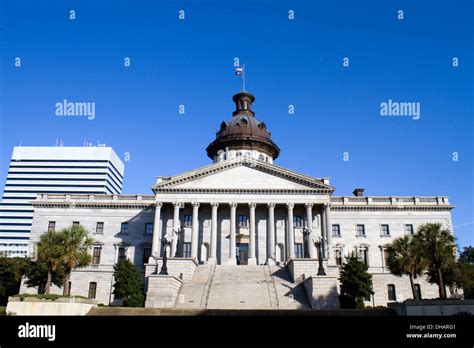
318	243
164	244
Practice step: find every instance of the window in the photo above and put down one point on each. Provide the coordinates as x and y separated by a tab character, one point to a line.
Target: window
385	230
146	254
99	228
298	250
92	289
417	292
186	249
364	255
336	230
122	253
392	296
188	220
386	256
243	221
338	256
409	229
96	255
124	228
75	224
297	221
149	228
51	226
360	230
68	293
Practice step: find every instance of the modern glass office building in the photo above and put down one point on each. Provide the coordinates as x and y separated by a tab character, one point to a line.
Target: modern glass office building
39	170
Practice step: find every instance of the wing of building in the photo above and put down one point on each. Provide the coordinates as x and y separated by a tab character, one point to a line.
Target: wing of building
241	222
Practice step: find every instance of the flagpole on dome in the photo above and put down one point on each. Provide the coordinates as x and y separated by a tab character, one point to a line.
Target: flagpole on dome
243	77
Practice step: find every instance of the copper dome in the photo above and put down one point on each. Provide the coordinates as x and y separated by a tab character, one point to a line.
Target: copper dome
243	130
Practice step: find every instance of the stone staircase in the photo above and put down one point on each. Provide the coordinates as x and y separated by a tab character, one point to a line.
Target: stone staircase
241	287
194	293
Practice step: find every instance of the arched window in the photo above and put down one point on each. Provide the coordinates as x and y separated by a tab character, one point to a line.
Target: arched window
92	289
417	292
392	295
261	157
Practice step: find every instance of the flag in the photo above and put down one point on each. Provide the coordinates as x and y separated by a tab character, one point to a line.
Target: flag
239	71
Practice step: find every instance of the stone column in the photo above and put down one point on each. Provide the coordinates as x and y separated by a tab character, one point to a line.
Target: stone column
329	253
271	260
309	218
195	230
252	260
324	231
290	233
155	244
176	227
213	256
233	218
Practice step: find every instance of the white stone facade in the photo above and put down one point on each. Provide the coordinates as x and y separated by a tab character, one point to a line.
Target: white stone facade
202	211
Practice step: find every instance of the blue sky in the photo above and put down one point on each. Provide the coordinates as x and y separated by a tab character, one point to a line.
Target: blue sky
298	62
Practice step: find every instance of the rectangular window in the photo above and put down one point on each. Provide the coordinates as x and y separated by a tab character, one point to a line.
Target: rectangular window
409	229
122	253
243	221
149	228
92	289
392	295
99	228
124	228
336	230
68	293
385	230
386	257
360	230
364	255
146	254
338	256
51	226
297	221
75	224
298	250
186	249
96	255
188	220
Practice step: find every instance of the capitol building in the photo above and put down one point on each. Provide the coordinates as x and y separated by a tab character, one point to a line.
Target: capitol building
243	231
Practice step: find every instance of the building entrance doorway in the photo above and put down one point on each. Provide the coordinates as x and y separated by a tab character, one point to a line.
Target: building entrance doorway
242	253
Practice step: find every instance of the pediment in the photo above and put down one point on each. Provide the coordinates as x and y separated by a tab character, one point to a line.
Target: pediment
247	174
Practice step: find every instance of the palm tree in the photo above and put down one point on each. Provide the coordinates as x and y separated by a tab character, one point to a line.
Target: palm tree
438	248
405	258
50	251
75	251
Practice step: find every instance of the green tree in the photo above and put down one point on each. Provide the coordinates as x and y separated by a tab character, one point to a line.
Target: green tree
75	251
405	259
467	255
37	276
437	247
50	250
128	284
356	282
12	270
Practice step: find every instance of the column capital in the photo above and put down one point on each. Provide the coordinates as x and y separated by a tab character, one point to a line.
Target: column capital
326	205
308	205
233	205
271	205
159	204
178	204
195	204
290	205
214	204
252	205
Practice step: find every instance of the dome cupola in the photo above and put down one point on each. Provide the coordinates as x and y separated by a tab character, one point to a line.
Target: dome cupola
243	135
